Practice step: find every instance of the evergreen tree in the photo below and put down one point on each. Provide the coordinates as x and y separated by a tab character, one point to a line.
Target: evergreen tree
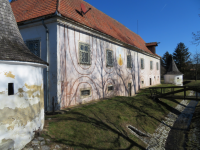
166	60
181	57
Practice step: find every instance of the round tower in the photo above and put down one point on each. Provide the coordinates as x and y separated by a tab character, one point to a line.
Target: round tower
21	88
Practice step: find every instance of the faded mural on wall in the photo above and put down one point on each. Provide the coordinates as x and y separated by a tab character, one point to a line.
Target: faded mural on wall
98	79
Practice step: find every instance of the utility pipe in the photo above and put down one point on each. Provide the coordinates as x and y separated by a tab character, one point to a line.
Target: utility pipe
47	85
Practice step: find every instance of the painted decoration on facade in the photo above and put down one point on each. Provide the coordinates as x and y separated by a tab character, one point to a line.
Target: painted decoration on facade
120	56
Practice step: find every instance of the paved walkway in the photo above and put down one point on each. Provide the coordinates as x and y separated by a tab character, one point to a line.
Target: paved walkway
171	130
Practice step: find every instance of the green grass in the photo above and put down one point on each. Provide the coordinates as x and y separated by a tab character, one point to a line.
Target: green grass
191	83
102	125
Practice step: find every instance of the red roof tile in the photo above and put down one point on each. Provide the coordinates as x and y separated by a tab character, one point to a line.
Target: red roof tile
30	9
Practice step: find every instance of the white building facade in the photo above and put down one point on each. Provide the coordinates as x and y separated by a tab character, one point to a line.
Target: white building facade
86	64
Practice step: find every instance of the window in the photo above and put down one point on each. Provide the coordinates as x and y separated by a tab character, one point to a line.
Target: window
34	46
84	53
110	88
85	92
142	63
129	61
157	66
109	58
10	88
151	65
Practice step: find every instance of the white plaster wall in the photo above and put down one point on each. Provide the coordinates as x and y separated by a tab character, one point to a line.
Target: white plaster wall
173	79
23	112
37	31
73	76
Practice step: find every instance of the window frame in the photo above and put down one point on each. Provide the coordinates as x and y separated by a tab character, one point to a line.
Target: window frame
81	51
84	89
130	61
151	65
110	85
39	46
141	63
157	66
108	65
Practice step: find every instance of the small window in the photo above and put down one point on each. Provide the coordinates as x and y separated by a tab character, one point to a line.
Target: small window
142	63
10	88
151	65
85	92
129	61
109	58
34	46
84	53
157	66
142	82
110	88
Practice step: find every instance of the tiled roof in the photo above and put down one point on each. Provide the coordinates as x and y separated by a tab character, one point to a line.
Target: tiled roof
12	46
30	9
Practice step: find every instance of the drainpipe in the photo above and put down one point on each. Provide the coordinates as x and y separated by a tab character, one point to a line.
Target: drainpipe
47	40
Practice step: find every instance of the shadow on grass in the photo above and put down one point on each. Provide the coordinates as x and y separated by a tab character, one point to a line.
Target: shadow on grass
103	124
101	120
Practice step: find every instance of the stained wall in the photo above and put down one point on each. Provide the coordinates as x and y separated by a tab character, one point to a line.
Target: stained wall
22	112
72	77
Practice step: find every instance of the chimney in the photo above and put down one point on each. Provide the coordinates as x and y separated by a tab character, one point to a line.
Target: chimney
152	46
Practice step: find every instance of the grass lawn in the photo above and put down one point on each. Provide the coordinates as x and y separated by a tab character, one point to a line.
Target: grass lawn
103	125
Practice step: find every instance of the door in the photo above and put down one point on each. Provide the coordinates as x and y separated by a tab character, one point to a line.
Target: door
149	81
129	89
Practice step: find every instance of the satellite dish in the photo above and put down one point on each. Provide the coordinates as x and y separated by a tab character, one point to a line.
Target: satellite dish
83	9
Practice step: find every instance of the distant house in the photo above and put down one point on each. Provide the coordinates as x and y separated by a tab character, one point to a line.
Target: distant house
173	75
90	55
21	85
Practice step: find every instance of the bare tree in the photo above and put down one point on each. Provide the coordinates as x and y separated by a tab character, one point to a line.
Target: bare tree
196	63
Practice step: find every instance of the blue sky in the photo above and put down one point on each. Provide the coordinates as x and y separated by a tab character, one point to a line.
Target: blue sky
166	21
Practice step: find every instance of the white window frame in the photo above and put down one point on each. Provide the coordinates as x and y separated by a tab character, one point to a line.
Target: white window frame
83	51
84	89
142	67
157	67
109	65
151	65
130	61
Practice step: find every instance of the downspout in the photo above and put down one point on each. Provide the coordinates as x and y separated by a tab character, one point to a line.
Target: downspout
47	85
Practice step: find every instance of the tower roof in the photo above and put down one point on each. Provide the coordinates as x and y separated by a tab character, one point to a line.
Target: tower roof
12	46
173	70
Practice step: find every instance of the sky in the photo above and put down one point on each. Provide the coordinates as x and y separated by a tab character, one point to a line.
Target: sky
166	21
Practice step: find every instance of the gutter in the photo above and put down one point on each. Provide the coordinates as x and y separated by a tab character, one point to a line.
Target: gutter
47	84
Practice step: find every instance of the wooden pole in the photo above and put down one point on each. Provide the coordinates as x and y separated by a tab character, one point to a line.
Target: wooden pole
196	94
184	92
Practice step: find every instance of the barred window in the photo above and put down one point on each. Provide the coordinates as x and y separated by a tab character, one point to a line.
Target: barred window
151	65
129	61
85	92
109	58
34	46
157	66
110	88
84	53
142	63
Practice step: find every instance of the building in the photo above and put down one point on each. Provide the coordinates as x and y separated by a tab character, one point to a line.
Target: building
90	55
173	75
21	88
